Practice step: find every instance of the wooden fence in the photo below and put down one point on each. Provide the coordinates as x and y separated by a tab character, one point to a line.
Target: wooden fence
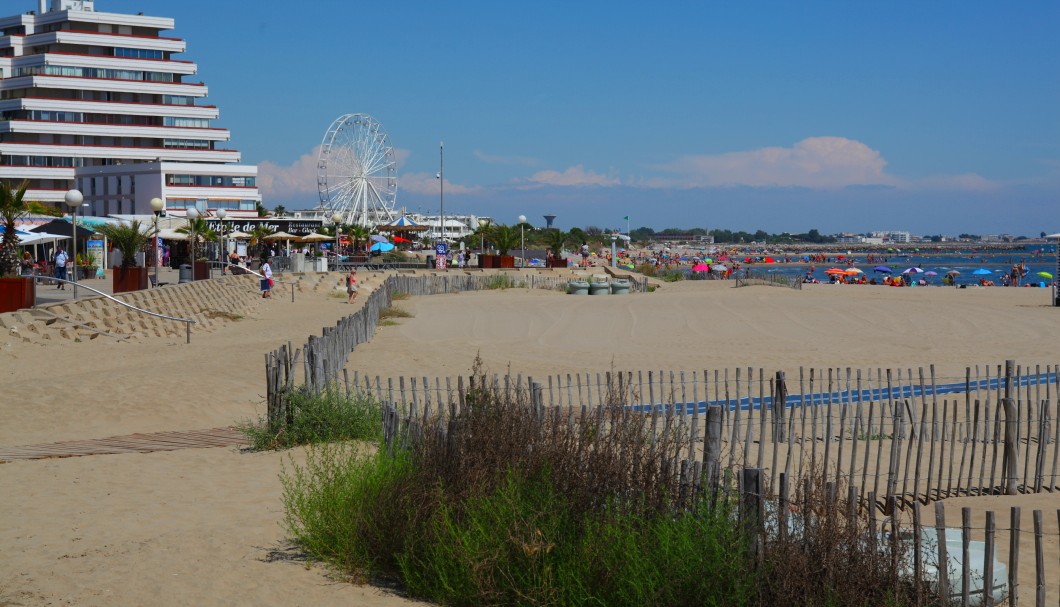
892	439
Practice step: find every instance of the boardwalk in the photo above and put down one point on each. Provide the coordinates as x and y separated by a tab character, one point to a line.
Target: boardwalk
130	443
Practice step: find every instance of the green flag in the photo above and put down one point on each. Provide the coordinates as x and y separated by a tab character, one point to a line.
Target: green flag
626	217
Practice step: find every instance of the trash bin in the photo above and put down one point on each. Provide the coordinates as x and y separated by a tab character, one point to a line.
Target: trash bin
430	262
185	273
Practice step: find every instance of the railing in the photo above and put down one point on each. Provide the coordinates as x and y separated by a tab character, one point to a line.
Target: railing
187	321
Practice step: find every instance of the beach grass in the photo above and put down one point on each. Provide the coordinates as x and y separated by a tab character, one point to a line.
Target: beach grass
512	507
392	312
317	418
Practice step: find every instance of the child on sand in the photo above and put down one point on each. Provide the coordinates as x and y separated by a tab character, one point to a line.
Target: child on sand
351	285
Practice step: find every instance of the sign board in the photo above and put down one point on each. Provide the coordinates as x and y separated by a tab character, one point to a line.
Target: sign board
95	253
298	227
439	262
441	249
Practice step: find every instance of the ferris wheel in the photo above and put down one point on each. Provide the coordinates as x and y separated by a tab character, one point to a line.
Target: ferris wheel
357	171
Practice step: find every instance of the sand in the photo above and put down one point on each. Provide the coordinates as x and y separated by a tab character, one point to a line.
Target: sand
198	526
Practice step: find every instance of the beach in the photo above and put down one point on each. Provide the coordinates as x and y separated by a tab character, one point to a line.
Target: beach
204	526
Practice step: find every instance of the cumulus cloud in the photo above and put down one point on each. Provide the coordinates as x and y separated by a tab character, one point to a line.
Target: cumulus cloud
297	180
526	161
573	176
815	162
427	183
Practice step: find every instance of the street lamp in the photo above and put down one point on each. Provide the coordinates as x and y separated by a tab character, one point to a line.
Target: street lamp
441	186
337	219
73	199
483	223
157	206
222	254
193	214
522	237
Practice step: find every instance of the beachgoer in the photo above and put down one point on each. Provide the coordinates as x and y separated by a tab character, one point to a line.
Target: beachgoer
266	283
352	286
60	266
26	264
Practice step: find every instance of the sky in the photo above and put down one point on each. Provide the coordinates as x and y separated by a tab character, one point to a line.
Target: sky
928	117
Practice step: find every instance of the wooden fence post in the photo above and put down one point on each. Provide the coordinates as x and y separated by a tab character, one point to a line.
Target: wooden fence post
751	510
1009	468
712	446
940	538
780	407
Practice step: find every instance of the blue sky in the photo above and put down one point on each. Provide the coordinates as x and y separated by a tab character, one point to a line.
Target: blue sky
932	117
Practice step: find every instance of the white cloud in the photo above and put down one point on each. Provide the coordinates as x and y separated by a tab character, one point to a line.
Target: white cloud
297	180
815	162
573	176
526	161
427	183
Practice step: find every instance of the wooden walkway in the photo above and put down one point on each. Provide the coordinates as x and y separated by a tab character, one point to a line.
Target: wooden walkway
131	443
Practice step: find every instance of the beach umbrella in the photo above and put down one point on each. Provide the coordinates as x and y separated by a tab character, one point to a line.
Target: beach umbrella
931	273
882	269
237	234
835	271
952	272
700	267
313	237
720	268
912	271
378	238
855	271
401	239
382	247
1045	275
981	272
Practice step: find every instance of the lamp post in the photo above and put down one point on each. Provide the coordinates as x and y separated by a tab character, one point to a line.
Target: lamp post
483	223
522	237
441	187
157	206
73	199
222	253
337	219
193	214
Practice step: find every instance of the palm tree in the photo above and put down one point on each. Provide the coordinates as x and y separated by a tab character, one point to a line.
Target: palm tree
14	206
130	239
257	238
200	230
357	234
505	238
555	240
280	211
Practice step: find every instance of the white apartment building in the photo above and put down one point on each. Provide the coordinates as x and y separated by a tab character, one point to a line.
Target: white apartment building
98	102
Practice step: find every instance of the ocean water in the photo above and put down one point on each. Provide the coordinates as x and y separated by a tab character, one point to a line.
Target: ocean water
1038	258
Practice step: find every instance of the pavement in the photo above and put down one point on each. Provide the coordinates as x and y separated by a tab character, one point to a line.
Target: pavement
49	294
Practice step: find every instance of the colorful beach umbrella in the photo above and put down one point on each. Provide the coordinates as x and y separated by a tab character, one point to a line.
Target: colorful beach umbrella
1045	275
931	273
701	267
981	272
882	269
912	271
835	271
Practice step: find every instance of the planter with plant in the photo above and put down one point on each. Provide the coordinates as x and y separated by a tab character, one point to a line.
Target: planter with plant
198	231
504	238
555	240
16	292
128	238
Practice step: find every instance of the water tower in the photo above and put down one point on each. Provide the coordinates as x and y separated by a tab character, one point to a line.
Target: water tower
548	221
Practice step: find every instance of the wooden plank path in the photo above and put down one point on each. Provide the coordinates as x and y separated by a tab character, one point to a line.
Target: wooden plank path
131	443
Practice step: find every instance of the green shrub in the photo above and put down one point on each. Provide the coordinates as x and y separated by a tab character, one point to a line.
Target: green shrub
328	416
500	281
342	506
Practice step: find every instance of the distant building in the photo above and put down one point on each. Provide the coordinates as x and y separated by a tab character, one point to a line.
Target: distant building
97	101
893	236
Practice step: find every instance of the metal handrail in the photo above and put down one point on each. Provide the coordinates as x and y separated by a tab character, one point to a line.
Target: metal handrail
187	321
283	282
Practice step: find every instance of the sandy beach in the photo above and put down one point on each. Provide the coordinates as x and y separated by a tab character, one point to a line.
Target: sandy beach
204	526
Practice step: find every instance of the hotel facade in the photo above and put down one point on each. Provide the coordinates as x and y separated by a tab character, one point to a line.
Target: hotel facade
99	102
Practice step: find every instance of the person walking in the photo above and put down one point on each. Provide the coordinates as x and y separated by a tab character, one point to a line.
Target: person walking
352	287
60	267
266	282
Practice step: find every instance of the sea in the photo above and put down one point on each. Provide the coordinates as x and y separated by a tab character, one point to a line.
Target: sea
970	265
